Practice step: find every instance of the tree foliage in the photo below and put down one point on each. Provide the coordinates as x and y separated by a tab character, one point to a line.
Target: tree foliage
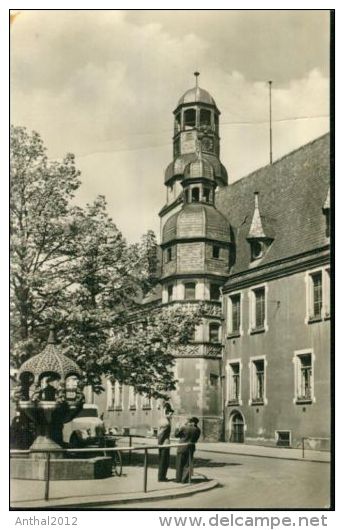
71	265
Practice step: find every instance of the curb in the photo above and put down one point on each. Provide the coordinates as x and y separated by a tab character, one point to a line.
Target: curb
293	458
88	501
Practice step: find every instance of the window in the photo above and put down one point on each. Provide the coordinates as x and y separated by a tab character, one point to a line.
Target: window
257	249
170	293
190	291
304	377
205	117
132	398
168	254
327	293
215	291
146	402
283	438
214	330
234	383
316	295
213	380
328	223
216	251
195	195
258	309
206	195
177	123
189	118
258	382
234	314
116	396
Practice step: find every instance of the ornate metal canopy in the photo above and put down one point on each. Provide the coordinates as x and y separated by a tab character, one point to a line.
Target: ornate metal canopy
51	360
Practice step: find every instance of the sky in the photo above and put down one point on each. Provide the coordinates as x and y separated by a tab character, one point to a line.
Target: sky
103	85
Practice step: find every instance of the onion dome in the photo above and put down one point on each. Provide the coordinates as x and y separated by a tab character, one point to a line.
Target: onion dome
177	167
197	220
196	95
200	168
51	360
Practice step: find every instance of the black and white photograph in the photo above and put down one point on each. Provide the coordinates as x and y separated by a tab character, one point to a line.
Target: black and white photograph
171	295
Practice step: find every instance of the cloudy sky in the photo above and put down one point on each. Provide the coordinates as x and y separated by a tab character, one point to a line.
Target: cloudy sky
103	85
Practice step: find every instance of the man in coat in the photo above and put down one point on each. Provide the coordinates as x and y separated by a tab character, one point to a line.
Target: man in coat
164	433
189	434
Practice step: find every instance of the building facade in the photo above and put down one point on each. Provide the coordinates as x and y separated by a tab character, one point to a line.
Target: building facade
256	253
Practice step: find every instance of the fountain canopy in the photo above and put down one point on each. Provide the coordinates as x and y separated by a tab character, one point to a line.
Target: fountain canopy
50	361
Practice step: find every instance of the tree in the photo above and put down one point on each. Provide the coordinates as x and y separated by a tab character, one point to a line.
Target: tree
42	228
72	266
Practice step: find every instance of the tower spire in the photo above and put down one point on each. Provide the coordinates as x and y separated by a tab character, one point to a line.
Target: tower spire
196	74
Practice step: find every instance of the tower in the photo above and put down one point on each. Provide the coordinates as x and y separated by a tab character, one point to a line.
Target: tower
197	252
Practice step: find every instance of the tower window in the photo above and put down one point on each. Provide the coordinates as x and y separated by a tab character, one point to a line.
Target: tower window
189	118
205	117
206	195
216	251
168	254
215	292
170	293
177	123
195	195
214	330
213	380
190	291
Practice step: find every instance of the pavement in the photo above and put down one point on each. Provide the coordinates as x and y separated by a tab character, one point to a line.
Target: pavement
287	453
71	494
129	487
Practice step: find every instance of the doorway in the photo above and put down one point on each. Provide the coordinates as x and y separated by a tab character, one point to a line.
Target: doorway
237	428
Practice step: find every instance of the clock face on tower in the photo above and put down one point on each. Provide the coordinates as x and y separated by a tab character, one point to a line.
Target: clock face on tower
207	143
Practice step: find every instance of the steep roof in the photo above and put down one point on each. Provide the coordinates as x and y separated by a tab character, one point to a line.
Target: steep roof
197	220
292	192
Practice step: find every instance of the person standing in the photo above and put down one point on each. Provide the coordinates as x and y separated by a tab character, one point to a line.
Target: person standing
189	434
164	433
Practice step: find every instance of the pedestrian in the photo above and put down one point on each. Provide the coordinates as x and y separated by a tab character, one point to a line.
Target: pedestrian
188	434
164	433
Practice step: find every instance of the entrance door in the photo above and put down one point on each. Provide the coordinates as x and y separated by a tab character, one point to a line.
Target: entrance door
237	431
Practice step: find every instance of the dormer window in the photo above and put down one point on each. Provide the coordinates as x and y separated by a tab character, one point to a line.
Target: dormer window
258	237
326	210
257	249
189	118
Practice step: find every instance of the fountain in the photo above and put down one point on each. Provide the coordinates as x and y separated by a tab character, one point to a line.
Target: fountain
50	393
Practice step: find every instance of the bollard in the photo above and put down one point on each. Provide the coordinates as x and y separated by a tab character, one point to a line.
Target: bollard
130	444
145	464
47	478
190	464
